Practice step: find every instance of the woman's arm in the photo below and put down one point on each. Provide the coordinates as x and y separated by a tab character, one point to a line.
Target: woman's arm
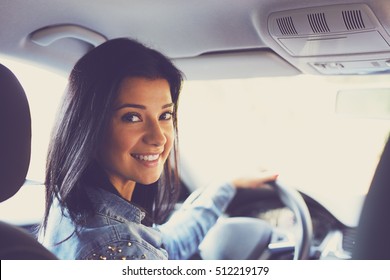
186	229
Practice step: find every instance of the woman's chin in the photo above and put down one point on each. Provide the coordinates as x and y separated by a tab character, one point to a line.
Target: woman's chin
148	181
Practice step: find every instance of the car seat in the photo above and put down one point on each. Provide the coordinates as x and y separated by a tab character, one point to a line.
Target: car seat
372	241
15	148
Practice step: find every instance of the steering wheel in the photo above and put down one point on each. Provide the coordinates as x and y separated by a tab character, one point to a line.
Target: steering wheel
253	238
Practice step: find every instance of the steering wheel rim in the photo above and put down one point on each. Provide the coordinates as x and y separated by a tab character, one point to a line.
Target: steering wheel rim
294	201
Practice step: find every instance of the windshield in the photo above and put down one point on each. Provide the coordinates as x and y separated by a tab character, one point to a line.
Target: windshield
288	125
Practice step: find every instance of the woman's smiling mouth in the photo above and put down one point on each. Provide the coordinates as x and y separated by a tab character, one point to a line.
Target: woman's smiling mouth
147	159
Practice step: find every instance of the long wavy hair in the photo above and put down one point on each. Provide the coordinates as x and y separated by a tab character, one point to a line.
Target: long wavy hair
84	116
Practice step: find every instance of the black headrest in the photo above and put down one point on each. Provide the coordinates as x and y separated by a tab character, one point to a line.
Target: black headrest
15	134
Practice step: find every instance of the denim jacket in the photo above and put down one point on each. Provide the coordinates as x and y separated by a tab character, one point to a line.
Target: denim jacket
115	230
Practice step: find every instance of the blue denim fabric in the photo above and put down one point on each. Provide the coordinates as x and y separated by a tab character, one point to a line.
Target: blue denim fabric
115	230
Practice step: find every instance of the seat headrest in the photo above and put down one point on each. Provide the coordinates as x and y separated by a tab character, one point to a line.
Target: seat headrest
15	134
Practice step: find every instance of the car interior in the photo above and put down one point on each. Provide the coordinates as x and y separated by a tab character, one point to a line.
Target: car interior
264	79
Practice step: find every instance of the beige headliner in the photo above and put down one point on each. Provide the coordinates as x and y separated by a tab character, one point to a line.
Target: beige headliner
230	36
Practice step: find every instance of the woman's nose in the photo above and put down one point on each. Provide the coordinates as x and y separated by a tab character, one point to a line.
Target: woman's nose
154	134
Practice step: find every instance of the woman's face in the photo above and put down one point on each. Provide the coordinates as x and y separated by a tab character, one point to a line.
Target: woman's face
140	134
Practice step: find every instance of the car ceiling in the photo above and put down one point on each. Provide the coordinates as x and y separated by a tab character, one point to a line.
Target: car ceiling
206	38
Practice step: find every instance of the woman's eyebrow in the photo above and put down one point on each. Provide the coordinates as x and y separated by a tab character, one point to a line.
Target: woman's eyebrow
167	106
138	106
127	105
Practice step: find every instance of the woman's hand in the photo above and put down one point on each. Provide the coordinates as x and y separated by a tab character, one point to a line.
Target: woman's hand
256	180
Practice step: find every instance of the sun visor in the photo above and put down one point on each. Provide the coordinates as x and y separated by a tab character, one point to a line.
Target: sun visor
235	65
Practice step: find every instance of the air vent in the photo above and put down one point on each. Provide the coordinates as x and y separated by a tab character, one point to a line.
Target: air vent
318	23
353	20
286	26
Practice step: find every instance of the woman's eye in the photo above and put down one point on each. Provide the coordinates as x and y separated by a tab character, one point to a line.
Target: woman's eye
166	116
131	117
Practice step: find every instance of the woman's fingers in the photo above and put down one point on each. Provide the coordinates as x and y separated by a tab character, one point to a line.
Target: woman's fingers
256	180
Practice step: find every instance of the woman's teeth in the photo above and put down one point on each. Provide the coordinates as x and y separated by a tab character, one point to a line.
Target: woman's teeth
146	157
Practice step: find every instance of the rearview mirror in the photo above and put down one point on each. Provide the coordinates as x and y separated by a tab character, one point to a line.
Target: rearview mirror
366	103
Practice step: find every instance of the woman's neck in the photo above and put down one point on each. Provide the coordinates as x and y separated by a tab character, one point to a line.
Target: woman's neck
125	189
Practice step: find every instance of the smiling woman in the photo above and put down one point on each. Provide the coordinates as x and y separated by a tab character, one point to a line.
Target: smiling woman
111	177
97	136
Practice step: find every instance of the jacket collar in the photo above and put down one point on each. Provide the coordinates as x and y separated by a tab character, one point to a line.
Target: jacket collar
110	204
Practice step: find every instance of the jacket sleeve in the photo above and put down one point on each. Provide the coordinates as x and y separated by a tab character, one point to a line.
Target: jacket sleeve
185	230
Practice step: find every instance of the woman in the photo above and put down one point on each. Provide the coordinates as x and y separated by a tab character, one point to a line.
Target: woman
111	178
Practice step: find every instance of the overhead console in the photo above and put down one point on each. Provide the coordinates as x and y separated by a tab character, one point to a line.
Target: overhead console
335	39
